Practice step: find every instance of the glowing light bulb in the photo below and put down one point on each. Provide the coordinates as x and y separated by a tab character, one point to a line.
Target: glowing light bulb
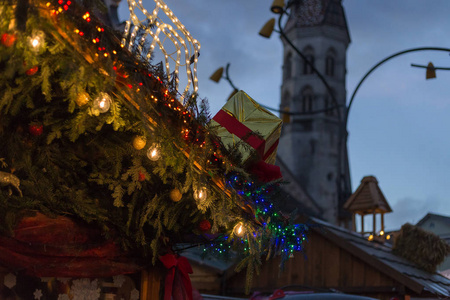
154	152
239	229
200	193
102	103
36	41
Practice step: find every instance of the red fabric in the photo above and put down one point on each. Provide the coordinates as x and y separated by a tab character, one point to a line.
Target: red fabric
235	127
265	172
177	284
60	247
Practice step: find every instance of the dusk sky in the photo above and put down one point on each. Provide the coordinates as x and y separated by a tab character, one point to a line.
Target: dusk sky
398	124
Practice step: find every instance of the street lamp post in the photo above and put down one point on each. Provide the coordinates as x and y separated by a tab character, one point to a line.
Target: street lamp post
278	8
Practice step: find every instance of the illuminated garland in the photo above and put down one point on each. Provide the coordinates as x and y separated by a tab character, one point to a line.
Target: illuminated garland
237	205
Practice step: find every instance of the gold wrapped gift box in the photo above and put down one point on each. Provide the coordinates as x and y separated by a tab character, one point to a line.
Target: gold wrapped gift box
242	118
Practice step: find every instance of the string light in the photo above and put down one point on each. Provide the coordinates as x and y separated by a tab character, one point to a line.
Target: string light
36	41
239	229
154	152
102	103
200	193
171	32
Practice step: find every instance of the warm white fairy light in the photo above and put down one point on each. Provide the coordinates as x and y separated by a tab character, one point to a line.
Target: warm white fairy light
36	40
200	193
177	34
102	103
154	152
239	229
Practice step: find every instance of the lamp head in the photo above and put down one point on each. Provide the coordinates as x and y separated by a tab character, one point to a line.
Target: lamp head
277	6
267	29
217	75
431	71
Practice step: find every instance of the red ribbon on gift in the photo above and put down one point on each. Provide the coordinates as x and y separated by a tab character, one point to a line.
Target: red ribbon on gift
237	128
176	263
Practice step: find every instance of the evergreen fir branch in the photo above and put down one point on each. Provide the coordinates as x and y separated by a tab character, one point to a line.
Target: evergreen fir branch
45	77
118	195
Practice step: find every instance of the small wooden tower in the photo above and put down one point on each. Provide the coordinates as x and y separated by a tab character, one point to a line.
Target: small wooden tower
368	199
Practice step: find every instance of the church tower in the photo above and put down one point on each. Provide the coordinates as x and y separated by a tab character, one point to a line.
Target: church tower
309	144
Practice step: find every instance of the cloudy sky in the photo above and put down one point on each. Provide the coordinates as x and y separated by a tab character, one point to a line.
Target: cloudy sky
398	125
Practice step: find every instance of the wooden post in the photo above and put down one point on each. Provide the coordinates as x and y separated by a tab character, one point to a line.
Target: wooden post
354	222
374	229
362	224
382	221
150	284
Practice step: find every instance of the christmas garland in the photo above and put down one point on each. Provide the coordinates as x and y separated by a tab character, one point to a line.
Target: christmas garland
90	131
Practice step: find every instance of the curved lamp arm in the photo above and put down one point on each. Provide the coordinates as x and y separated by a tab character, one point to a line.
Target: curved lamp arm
382	62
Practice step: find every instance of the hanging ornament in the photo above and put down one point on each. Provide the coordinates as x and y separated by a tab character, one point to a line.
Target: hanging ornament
32	71
102	103
36	129
239	229
154	152
175	195
141	176
36	41
8	39
200	193
139	142
204	226
82	99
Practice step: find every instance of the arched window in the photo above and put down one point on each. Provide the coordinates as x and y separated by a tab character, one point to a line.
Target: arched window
309	55
329	104
288	66
330	62
307	99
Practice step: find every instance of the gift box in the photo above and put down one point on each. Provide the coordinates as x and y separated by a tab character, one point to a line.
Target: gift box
243	119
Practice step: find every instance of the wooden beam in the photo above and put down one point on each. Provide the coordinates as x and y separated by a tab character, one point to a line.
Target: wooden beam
150	284
369	259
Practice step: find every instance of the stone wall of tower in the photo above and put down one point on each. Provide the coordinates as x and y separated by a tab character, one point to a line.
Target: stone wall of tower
309	143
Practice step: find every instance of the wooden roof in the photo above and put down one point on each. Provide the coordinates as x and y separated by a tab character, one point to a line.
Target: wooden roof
368	198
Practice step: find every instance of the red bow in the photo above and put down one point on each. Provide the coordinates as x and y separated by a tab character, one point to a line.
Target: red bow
265	172
178	291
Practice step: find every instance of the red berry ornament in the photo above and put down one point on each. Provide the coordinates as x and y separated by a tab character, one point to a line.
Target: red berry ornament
8	40
204	226
36	129
32	71
141	176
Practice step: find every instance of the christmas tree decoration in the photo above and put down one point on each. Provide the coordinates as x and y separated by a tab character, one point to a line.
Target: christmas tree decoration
141	176
239	229
200	193
32	71
242	118
9	280
36	41
149	31
10	180
154	152
139	142
94	195
204	226
82	99
102	103
36	129
8	39
175	195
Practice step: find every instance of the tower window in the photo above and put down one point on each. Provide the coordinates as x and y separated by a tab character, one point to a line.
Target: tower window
309	56
330	62
307	100
288	66
307	68
329	66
